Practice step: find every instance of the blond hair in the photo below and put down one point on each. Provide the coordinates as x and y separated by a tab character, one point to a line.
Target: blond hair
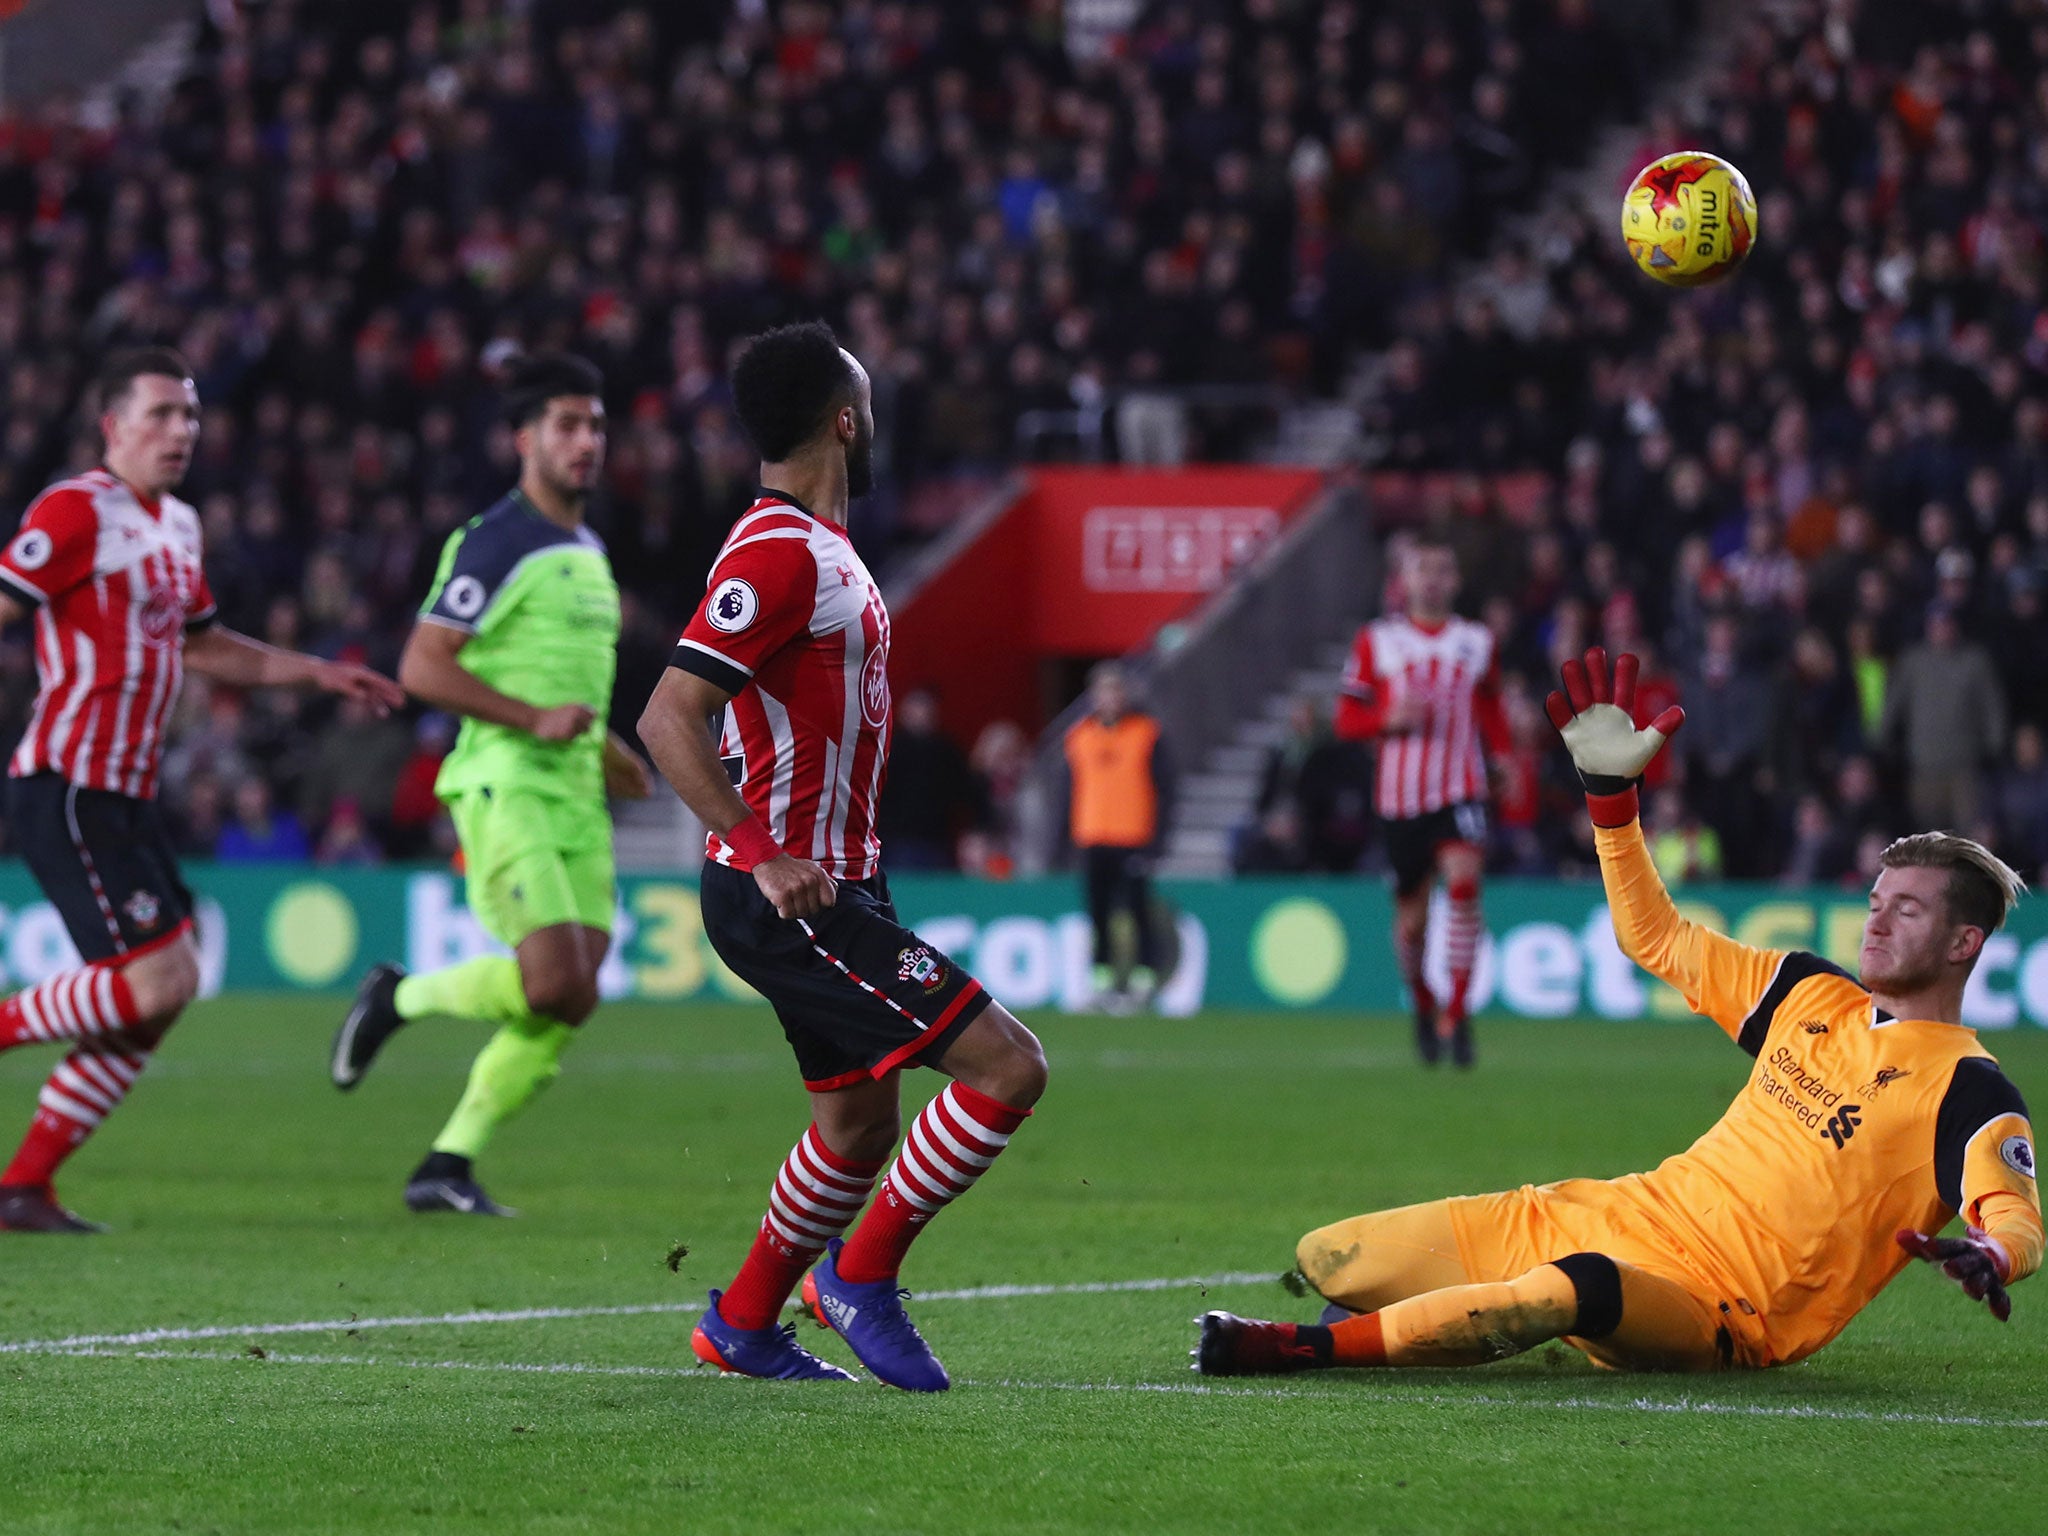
1982	887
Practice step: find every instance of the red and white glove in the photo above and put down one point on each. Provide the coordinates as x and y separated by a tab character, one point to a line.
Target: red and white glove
1599	729
1977	1262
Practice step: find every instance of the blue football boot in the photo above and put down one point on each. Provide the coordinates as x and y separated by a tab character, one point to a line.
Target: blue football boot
870	1317
772	1352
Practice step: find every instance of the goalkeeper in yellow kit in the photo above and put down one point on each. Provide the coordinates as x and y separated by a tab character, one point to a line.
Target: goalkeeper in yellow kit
1871	1118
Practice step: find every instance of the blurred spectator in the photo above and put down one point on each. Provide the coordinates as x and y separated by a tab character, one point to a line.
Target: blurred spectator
929	798
1274	843
998	766
259	831
415	810
355	762
1723	745
1314	809
1525	808
1946	716
1815	851
200	816
2023	802
1814	724
1685	849
346	837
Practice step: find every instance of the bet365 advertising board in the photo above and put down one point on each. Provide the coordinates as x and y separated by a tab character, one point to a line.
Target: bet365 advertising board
1248	944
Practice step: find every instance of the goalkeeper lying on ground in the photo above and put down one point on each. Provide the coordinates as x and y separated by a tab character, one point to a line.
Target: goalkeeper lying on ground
1871	1118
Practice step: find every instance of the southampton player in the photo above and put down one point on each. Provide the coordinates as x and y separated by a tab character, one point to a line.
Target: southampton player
109	563
1424	686
518	636
791	646
1871	1117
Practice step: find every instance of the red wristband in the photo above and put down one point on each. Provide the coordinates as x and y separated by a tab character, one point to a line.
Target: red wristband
1613	811
751	842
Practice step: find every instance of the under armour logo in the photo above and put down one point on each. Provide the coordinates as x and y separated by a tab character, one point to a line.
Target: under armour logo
845	576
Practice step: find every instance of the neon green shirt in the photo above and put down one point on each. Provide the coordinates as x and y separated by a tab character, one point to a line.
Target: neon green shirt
542	610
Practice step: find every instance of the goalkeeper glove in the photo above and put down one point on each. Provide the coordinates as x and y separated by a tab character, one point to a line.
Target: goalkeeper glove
1976	1262
1599	731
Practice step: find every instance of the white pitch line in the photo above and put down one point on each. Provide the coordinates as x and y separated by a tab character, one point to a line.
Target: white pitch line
1684	1405
1582	1404
83	1341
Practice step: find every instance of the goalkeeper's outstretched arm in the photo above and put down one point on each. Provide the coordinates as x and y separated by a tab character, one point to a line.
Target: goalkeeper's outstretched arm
1717	976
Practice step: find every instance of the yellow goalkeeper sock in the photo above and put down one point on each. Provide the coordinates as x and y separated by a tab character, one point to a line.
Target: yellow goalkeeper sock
1461	1324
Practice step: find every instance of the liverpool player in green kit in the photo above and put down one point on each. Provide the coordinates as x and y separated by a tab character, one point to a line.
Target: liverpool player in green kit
519	637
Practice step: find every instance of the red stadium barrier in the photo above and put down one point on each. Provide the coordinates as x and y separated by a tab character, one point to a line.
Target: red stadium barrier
1086	563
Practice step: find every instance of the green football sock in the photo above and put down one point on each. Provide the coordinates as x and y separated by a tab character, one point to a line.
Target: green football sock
514	1065
487	988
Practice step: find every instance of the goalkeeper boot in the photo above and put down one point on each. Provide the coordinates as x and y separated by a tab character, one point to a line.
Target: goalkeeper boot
372	1019
444	1182
34	1208
869	1315
771	1353
1241	1346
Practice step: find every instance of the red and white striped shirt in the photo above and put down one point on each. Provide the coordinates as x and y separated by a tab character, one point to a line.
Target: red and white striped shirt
115	583
794	628
1451	669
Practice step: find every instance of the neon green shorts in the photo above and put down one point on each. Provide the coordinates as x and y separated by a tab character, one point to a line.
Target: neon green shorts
534	861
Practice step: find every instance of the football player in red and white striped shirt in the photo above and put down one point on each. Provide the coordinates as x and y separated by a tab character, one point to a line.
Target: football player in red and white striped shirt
791	647
1425	686
109	564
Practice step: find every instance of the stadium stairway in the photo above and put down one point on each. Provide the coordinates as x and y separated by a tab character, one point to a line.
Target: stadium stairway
1220	796
95	50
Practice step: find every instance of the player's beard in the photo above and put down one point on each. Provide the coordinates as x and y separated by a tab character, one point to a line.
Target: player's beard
1903	974
563	483
860	462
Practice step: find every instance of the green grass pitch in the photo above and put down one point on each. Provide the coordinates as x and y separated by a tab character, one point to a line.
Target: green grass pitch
247	1194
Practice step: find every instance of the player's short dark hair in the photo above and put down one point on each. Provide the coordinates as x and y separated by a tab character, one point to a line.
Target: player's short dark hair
1432	536
124	368
533	381
1982	887
786	383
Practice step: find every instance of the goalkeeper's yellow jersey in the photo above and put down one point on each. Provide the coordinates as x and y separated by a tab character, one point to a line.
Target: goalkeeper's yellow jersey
1853	1125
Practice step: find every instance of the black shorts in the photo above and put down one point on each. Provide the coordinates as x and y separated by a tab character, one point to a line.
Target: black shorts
1413	841
104	860
858	994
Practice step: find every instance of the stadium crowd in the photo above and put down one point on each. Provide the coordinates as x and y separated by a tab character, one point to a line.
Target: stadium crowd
1818	495
348	215
1815	498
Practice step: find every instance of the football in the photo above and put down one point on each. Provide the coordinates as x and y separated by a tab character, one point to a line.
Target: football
1689	219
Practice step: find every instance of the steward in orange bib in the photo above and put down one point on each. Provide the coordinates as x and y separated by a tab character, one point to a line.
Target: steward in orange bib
1119	789
1871	1118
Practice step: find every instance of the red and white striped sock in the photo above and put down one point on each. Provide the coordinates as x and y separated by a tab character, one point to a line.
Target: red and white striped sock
1461	943
950	1145
72	1005
815	1198
1408	961
79	1095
